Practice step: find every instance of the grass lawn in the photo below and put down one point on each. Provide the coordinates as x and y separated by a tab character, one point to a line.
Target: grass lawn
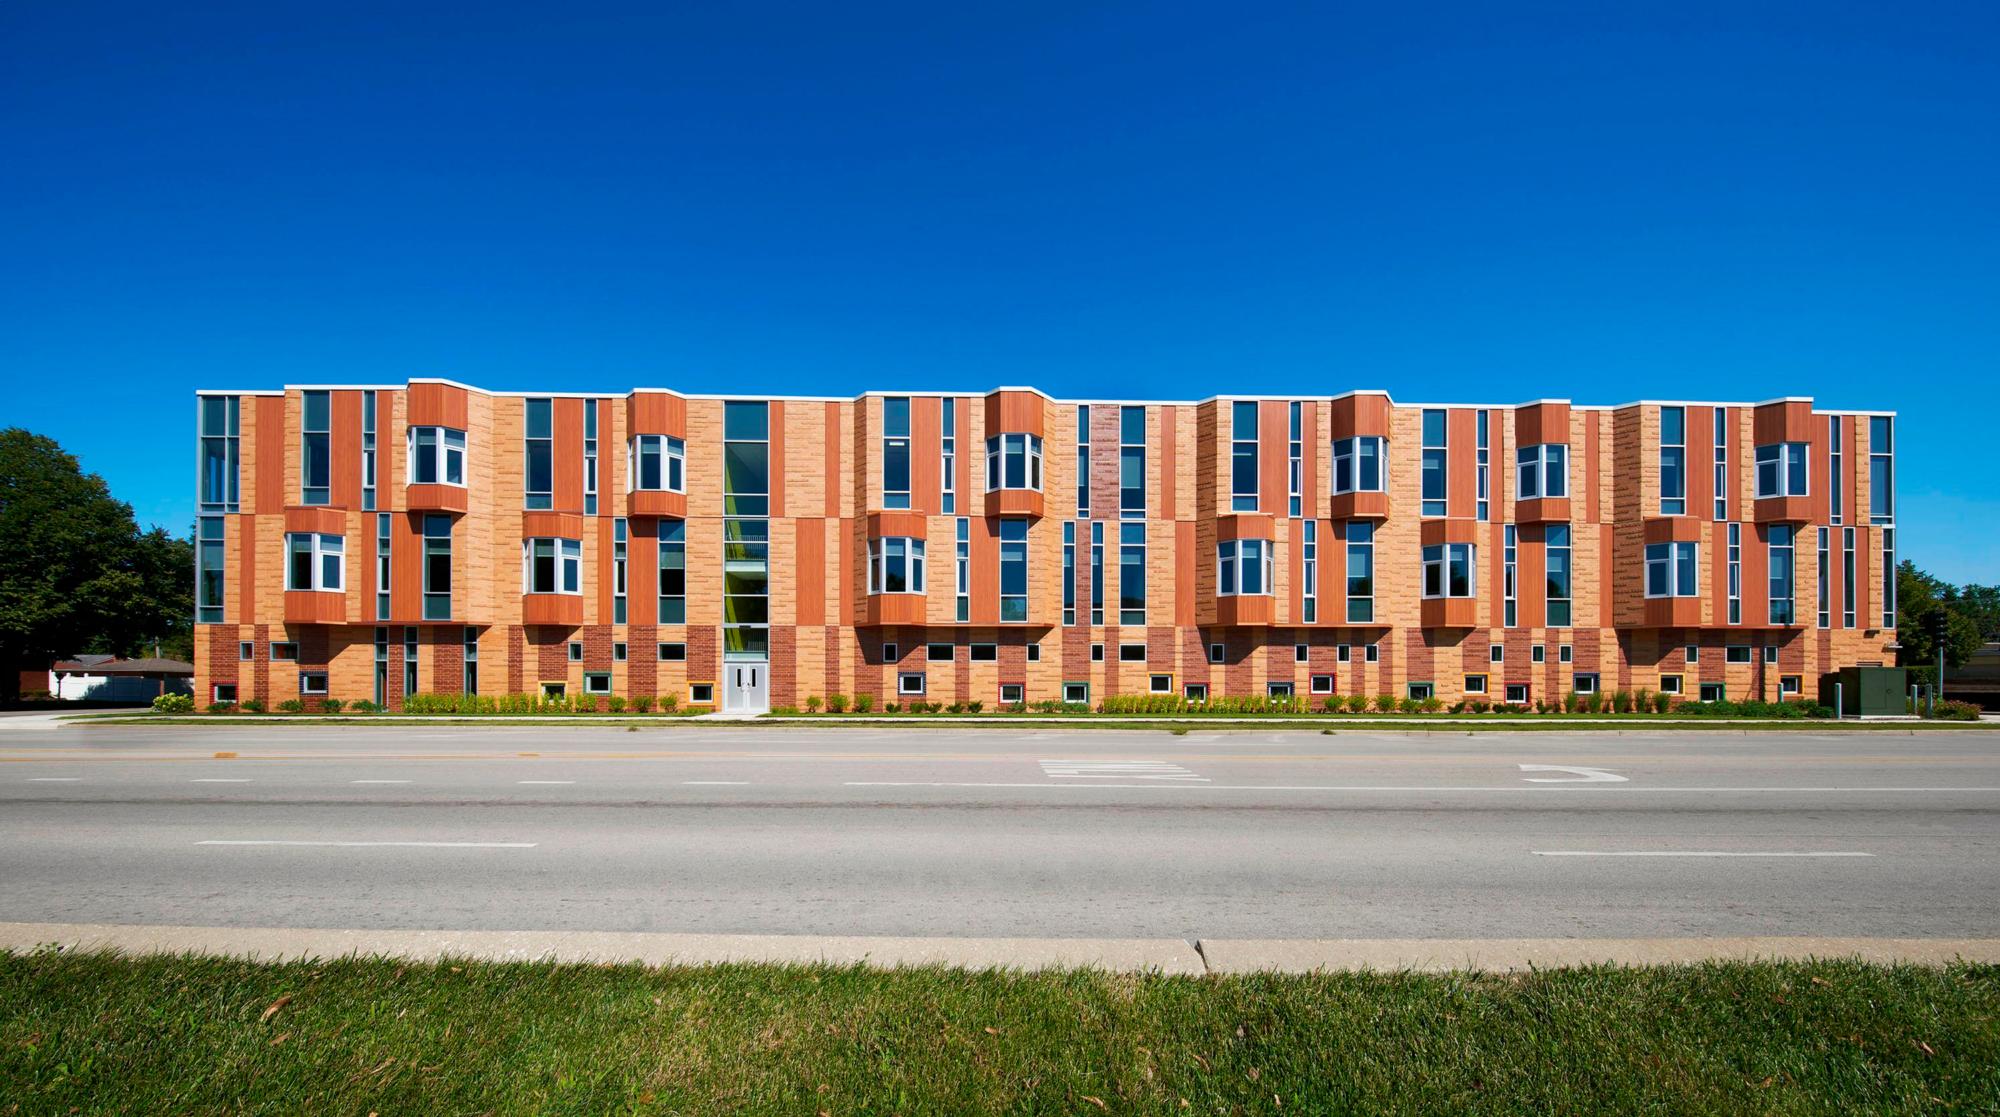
102	1034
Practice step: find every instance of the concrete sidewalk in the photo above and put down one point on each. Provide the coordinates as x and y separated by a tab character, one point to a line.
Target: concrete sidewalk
1169	956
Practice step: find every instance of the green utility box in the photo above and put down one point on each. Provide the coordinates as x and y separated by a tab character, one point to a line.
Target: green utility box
1867	691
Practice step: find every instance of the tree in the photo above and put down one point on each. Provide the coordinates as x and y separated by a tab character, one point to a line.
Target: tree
75	572
1920	600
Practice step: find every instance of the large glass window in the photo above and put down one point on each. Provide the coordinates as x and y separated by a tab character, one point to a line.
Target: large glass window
539	455
1779	542
1243	456
437	456
220	453
1014	461
1358	464
1360	572
1243	567
1448	569
1781	469
1673	461
1013	570
1541	471
746	588
1670	569
437	567
1132	574
1882	470
315	561
316	449
210	574
657	463
552	566
896	452
673	572
1132	462
1435	449
895	565
1556	536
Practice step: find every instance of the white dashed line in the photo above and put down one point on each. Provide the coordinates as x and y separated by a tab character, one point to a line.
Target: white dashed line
219	780
715	783
1694	853
55	779
544	783
378	781
419	845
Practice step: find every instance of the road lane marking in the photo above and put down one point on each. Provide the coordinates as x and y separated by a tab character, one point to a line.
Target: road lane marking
217	779
1579	775
55	779
378	781
1580	788
544	782
715	783
417	845
1118	769
1696	853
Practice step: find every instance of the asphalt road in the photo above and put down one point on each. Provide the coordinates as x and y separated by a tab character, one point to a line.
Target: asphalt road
744	830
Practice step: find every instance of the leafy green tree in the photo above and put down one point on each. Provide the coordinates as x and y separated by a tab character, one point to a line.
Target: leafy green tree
1920	599
75	572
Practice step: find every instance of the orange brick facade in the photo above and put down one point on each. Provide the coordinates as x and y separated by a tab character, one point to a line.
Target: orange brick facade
1251	473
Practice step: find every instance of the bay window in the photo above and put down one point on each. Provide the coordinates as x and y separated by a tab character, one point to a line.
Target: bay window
1542	471
437	456
1014	461
895	565
1243	567
1448	569
657	463
1670	569
315	561
552	566
1781	469
1358	464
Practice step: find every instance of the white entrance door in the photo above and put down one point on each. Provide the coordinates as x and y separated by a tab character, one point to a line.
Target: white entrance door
747	688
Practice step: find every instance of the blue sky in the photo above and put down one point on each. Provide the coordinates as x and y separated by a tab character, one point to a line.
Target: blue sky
1726	201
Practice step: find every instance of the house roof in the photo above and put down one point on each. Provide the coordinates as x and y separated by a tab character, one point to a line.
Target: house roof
108	665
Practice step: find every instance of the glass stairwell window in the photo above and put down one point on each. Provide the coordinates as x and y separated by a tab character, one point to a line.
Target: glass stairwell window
1556	536
221	437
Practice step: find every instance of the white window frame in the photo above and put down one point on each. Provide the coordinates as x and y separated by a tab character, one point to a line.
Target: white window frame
1020	692
441	452
1239	557
673	463
568	556
1441	557
1669	559
322	546
1322	684
1536	466
590	678
1787	462
1008	444
881	559
910	682
1348	452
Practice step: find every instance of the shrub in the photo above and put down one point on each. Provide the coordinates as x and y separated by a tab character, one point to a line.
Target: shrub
836	703
1433	704
669	703
331	705
1479	705
1333	705
1642	702
1953	710
1357	703
363	706
1572	702
1409	706
642	703
974	706
617	704
812	703
222	707
784	711
1385	703
891	708
174	704
863	703
956	708
1662	702
291	706
252	705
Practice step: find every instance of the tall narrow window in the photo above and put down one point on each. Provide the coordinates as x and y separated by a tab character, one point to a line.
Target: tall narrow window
1735	563
410	657
1825	589
673	572
315	561
1781	469
1483	480
1243	456
368	451
1888	577
1360	572
1082	461
1847	593
590	457
382	667
1881	469
1673	461
1132	463
1014	461
618	543
657	463
220	453
316	449
209	570
1309	571
1295	451
896	452
1358	464
539	469
1069	572
1670	569
1557	538
1779	545
437	567
1013	570
1097	573
746	547
895	565
471	680
964	532
1721	464
552	566
1448	569
384	536
1243	567
437	456
948	456
1510	576
1435	447
1132	574
1836	484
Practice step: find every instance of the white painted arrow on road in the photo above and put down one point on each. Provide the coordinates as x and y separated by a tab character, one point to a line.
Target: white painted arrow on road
1583	775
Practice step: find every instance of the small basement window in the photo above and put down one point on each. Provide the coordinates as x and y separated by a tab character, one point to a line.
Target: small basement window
1160	684
312	682
701	694
1011	693
673	652
597	682
1322	684
1195	692
910	682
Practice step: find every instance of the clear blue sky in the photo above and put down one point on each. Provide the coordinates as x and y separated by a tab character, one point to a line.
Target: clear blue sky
1157	199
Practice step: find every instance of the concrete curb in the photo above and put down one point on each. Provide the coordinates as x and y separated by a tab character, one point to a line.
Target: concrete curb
1169	956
